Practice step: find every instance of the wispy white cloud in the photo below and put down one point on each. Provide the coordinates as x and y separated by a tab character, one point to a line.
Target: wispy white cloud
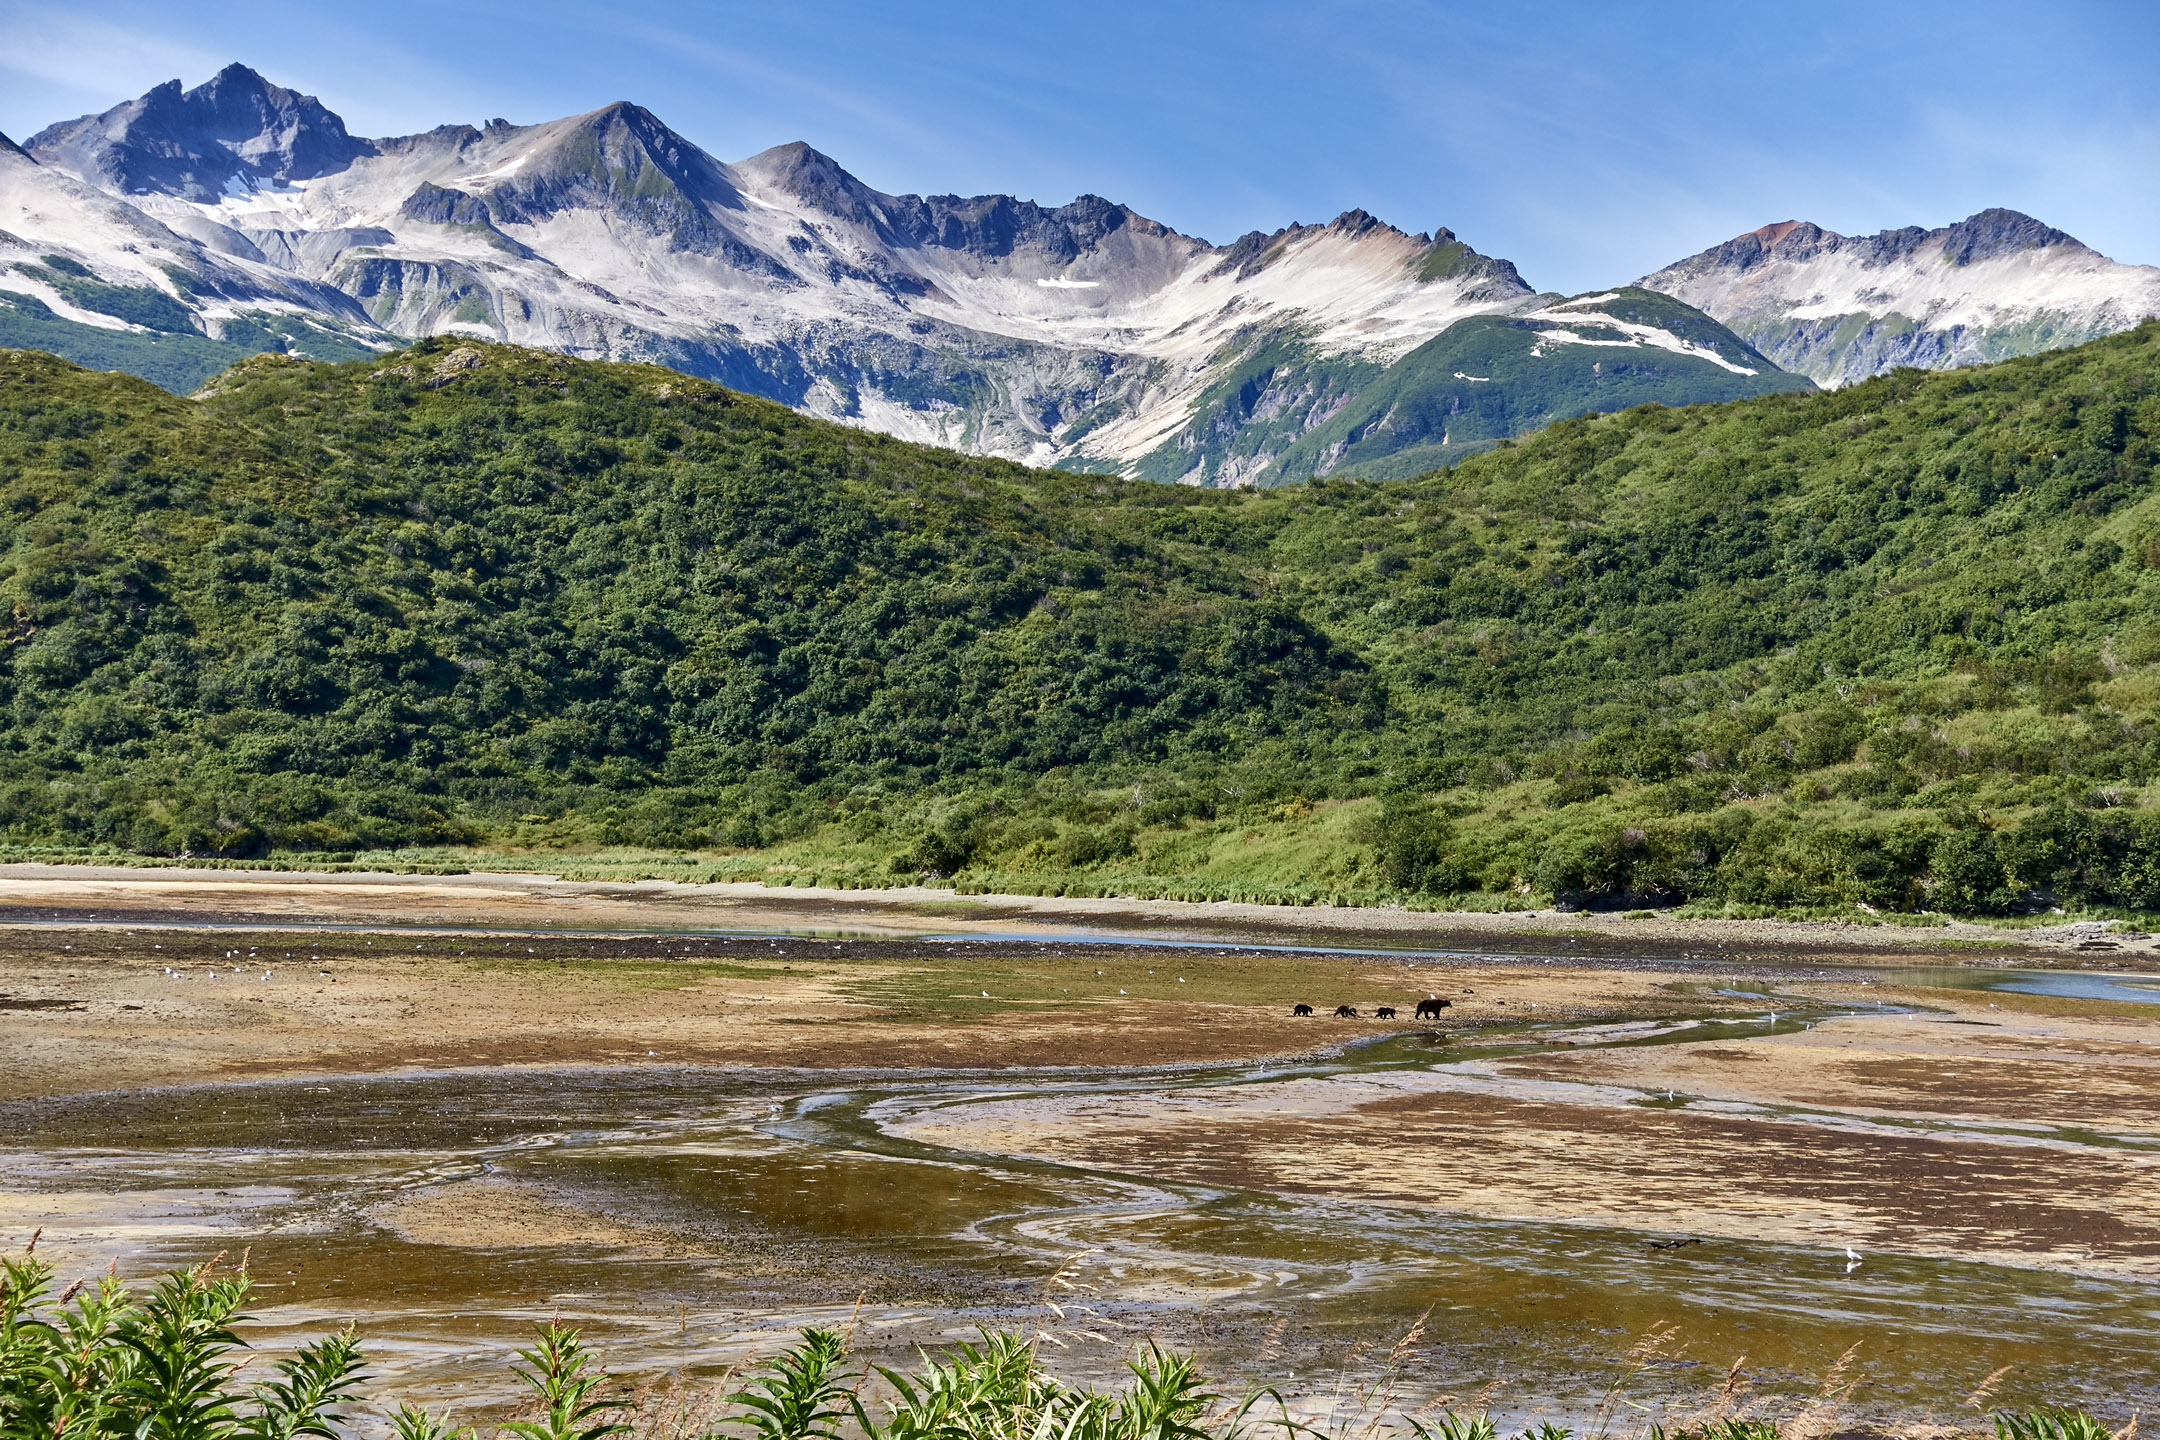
1605	151
857	102
939	112
70	61
65	47
2096	175
59	63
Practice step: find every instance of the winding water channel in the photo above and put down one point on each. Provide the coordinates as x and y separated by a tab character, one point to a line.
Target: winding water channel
691	1218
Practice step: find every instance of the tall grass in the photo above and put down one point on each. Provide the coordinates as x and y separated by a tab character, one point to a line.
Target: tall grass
102	1362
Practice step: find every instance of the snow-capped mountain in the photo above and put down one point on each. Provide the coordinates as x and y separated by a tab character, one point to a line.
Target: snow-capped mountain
1839	308
236	131
88	275
1084	335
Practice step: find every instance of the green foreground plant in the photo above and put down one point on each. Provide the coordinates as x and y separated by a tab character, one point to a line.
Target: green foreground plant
100	1362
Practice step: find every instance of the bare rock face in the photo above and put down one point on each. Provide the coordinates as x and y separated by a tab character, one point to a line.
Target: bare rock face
236	127
454	364
1840	308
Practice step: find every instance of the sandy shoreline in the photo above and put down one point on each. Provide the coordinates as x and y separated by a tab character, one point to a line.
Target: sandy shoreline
46	894
289	975
113	1006
282	975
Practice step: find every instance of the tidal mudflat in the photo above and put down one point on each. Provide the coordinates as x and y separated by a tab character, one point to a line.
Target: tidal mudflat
697	1138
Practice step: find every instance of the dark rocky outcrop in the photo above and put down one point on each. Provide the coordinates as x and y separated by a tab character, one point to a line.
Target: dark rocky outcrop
989	226
433	204
194	143
1999	232
1977	237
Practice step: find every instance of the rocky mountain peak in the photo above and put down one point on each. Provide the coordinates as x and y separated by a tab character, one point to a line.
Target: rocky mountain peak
1998	232
1441	255
1975	238
620	158
988	226
1840	308
1081	331
815	179
1785	240
1357	222
997	227
1769	235
234	127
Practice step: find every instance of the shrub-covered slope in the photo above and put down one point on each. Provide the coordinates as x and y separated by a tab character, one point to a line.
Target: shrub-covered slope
357	603
1893	645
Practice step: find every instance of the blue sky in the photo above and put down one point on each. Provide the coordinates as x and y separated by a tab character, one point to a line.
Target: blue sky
1587	142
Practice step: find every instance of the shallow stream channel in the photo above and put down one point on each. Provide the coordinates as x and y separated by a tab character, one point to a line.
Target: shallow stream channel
691	1219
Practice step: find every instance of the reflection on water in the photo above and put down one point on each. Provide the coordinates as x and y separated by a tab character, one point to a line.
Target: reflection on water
691	1218
2065	984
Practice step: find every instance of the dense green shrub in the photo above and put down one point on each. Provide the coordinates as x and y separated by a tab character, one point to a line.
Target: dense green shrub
1415	847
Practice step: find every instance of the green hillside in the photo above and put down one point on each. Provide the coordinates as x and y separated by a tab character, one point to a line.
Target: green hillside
1280	410
172	353
1894	645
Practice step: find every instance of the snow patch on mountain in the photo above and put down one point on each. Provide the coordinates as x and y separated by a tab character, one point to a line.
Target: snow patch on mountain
1840	308
45	212
1632	334
786	260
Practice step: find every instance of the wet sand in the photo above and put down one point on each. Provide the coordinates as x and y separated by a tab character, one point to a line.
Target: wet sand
1973	1063
2001	1127
2004	1128
368	974
1984	1129
2028	1140
47	893
101	1008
